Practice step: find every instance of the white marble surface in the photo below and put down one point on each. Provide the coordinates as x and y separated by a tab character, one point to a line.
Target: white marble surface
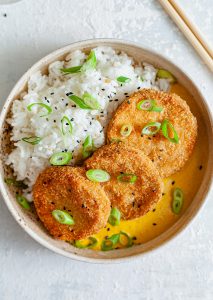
182	269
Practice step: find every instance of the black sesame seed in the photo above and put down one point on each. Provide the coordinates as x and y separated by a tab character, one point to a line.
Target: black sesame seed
5	15
110	100
90	123
66	104
68	94
53	94
45	98
72	119
85	130
125	93
101	131
55	108
103	89
134	238
99	78
200	167
54	121
154	224
173	182
108	229
154	210
78	141
163	194
149	138
138	87
109	97
116	100
48	101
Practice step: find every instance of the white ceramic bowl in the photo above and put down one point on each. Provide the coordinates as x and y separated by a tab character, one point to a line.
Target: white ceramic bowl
30	223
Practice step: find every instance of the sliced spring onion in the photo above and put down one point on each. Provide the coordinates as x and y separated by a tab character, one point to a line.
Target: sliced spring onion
151	128
125	177
125	239
88	147
90	63
141	78
71	70
91	242
47	107
115	217
62	217
23	202
123	79
79	101
66	125
13	182
149	105
90	101
97	175
60	158
126	130
167	125
110	242
177	202
33	140
162	73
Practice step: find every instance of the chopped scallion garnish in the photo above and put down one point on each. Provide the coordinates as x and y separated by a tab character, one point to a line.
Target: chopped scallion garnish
90	63
90	243
90	101
149	105
123	79
126	177
33	140
110	242
126	130
62	217
161	73
45	106
166	126
151	128
23	202
125	239
88	147
115	216
97	175
66	125
71	70
177	202
60	158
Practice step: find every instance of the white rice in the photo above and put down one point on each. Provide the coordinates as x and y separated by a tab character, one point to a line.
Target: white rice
28	160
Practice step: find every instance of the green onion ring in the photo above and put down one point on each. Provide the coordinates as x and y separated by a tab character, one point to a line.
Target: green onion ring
90	62
64	123
148	129
88	147
33	140
126	130
128	178
60	158
162	73
123	79
80	102
13	182
92	242
177	202
115	216
129	239
165	126
23	202
90	101
148	105
47	107
110	242
97	175
62	217
71	70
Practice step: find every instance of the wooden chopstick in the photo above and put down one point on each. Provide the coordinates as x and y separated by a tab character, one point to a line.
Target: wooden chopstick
191	32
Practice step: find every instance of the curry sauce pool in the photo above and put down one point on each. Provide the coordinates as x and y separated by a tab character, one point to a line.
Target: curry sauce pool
161	218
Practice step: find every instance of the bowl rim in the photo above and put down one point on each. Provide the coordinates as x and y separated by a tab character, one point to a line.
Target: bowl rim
8	202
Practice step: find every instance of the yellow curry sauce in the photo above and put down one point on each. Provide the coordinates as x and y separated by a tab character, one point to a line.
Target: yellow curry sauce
188	179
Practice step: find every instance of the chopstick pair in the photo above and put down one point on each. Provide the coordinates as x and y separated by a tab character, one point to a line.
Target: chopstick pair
190	30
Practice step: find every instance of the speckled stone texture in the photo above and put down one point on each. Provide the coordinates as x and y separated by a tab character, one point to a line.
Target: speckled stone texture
183	268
